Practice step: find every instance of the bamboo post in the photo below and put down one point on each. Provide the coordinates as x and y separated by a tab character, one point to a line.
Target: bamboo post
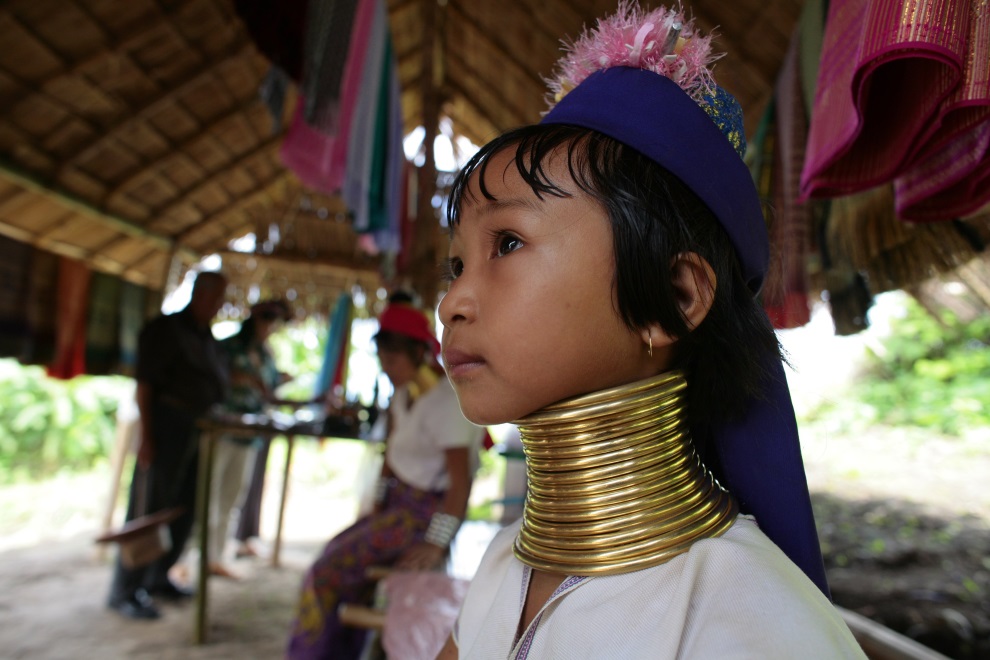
423	265
206	446
121	447
286	471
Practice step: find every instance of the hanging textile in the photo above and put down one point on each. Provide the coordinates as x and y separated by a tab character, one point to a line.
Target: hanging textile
132	317
152	303
338	341
319	159
952	175
39	302
389	237
103	324
360	150
377	218
15	260
70	319
329	24
277	28
272	92
785	294
886	67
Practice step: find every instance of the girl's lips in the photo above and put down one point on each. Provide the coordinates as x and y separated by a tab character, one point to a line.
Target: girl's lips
458	363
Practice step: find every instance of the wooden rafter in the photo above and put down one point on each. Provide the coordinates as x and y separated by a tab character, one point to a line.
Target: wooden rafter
456	89
264	190
56	224
140	114
502	53
539	10
260	150
155	164
508	105
343	267
13	174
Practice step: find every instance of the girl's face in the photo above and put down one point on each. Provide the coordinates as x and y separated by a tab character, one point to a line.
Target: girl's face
530	317
398	366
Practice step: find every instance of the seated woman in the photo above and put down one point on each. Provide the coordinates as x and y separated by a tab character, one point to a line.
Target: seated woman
430	460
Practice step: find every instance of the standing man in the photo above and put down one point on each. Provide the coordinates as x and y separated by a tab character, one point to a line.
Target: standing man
180	374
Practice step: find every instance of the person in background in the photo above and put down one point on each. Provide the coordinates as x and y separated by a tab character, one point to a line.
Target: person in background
421	497
180	375
253	380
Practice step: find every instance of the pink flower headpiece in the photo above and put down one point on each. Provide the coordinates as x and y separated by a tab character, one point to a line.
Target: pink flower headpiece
662	41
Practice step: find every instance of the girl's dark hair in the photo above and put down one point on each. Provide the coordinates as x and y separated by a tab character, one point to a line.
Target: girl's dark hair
654	217
393	342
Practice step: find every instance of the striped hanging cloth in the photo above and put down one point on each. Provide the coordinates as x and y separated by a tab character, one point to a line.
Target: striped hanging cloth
329	25
70	319
786	293
41	293
886	68
103	324
952	175
15	261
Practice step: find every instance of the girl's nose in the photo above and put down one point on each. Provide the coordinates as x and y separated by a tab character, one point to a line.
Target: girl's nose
457	304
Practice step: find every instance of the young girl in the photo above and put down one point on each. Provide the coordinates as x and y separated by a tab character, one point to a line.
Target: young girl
603	267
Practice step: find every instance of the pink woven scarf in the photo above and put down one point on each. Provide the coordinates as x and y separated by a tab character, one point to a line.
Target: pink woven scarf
949	178
887	66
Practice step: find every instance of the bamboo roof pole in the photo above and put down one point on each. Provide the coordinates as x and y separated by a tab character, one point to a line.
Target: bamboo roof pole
426	243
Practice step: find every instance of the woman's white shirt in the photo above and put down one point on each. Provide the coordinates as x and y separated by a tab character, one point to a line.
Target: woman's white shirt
423	432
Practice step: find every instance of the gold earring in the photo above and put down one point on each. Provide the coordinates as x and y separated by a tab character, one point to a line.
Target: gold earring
650	349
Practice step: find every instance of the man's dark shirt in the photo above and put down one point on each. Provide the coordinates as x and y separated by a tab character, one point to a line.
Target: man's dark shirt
181	362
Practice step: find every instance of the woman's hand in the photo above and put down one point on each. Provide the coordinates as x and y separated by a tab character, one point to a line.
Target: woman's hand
421	557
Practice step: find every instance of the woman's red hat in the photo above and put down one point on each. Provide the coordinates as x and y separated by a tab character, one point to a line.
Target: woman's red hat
409	321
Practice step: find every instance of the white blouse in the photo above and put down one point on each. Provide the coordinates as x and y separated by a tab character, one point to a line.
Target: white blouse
735	596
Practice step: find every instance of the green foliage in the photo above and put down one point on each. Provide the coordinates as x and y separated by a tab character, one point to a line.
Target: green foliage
929	372
48	425
298	350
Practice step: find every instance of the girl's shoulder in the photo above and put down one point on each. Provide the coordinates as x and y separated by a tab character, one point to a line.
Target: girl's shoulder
740	591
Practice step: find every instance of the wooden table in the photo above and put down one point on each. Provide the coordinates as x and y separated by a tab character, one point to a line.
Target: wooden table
212	429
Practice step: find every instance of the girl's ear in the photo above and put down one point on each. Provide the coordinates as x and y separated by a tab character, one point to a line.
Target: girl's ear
694	283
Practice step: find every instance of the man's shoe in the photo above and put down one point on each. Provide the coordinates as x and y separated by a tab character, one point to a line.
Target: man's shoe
171	591
136	606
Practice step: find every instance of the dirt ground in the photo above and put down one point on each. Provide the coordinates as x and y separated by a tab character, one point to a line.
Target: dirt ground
904	519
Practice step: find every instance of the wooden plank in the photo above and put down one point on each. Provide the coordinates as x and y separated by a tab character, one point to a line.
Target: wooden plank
882	643
11	173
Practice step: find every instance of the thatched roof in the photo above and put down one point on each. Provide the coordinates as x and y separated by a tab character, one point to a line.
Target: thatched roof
131	131
492	57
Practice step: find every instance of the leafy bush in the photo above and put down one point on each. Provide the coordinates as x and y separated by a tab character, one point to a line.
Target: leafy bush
928	372
47	425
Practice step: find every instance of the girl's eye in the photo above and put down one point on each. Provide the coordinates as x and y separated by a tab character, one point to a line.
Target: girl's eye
451	269
506	243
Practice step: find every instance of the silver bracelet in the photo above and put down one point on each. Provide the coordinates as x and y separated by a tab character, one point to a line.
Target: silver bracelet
442	529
